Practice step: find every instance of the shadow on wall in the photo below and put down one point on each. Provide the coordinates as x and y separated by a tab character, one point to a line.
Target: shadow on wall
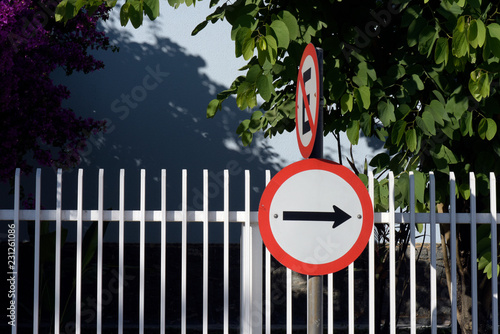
154	99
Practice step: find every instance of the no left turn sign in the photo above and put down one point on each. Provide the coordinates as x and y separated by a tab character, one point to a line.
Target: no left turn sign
307	101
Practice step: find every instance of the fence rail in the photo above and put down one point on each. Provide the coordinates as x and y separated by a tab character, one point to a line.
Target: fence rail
256	285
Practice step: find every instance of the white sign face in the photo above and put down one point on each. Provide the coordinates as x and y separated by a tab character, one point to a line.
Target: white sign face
322	210
307	101
316	217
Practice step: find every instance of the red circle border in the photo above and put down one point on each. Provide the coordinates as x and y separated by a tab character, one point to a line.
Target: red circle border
265	226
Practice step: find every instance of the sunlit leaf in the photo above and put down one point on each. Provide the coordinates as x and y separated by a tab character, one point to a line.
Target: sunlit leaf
281	33
213	107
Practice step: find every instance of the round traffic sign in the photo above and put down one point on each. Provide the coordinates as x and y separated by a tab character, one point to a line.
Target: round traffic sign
307	100
315	217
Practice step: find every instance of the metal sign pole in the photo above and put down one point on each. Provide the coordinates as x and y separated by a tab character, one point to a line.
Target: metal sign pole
315	283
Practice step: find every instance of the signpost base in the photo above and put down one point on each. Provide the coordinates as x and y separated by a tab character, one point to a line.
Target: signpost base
315	305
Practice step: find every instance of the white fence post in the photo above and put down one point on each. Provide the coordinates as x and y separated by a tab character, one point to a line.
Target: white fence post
453	255
79	231
392	256
100	232
494	245
432	209
121	250
57	296
14	270
251	279
163	249
473	246
36	274
371	262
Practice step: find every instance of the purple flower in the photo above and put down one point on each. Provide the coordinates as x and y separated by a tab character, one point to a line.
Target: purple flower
32	45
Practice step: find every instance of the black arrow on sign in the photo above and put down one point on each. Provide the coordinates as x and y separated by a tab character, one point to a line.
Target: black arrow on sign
338	217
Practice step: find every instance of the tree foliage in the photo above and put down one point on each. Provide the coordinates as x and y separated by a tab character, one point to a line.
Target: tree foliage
35	127
421	76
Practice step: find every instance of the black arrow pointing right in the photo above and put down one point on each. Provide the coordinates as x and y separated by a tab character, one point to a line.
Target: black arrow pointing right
338	217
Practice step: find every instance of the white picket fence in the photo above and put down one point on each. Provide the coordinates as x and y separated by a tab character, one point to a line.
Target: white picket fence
255	308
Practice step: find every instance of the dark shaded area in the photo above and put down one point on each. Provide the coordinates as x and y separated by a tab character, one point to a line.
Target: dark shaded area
195	292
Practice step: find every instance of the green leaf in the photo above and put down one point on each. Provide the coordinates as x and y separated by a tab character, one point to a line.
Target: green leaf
438	112
483	245
243	127
487	128
245	96
426	40
402	189
243	21
448	154
248	47
136	13
281	33
411	139
265	86
152	8
380	161
477	33
346	103
386	112
272	49
262	45
175	3
484	85
213	107
493	38
466	124
418	82
255	122
199	28
61	10
366	124
242	36
464	190
442	51
246	138
398	131
479	84
362	95
111	3
365	74
124	14
459	44
414	30
429	122
291	24
352	132
420	184
484	260
253	73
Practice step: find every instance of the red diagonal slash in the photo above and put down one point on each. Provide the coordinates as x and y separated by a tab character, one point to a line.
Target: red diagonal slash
304	97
